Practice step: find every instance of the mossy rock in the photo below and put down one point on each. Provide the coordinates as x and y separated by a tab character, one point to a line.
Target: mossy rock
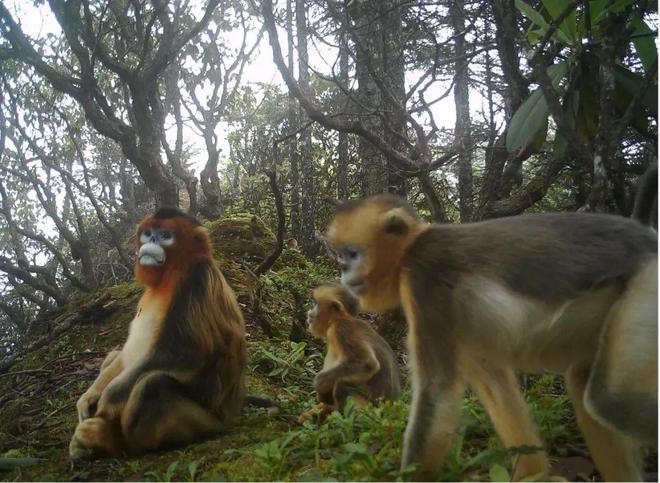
291	258
241	238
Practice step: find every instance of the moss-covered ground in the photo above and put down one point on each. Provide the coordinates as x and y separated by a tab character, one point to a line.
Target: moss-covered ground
38	395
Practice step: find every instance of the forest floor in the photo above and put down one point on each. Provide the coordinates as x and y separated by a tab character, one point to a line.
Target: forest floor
38	396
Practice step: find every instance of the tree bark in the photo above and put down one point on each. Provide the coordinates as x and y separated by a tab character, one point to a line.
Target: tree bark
307	168
462	130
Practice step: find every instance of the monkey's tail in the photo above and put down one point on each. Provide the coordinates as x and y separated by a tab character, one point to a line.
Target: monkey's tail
647	196
260	402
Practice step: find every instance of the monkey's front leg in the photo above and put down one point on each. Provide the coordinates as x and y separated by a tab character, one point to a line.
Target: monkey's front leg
351	371
434	414
87	404
102	433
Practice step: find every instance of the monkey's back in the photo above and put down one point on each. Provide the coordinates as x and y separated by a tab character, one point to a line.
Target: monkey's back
203	332
386	383
552	256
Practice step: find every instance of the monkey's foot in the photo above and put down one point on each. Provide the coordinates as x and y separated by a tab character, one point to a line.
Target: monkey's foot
91	437
87	405
307	416
317	415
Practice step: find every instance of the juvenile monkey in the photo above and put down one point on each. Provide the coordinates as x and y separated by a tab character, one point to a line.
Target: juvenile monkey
573	293
180	375
358	363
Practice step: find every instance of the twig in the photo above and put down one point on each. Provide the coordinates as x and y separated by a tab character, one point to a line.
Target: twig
26	371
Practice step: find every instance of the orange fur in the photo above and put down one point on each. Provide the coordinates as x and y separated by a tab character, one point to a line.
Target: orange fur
181	373
192	244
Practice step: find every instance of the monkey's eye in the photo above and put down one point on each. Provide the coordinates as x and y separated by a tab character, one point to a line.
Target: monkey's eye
147	233
351	252
166	235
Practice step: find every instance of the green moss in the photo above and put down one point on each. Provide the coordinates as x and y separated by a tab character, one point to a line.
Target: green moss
241	237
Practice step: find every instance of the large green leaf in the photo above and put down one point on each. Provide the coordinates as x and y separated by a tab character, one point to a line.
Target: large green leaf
569	25
498	473
596	8
537	19
644	42
630	83
7	463
532	116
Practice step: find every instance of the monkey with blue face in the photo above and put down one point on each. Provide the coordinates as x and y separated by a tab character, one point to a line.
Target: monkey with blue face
180	375
572	293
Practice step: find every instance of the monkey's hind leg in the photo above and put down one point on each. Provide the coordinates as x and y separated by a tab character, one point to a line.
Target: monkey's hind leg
158	413
498	391
342	391
622	391
617	457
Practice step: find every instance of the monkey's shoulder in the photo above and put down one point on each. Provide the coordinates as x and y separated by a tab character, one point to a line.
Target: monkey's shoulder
355	335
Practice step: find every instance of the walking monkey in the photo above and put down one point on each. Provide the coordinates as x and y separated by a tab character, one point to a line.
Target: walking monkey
573	293
180	375
358	363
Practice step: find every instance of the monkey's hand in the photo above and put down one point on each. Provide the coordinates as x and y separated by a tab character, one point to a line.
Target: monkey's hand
87	404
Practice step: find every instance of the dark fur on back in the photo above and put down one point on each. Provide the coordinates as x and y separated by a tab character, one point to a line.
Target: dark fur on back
549	256
168	212
646	199
218	361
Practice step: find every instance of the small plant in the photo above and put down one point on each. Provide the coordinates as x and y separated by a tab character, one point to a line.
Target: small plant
290	363
167	476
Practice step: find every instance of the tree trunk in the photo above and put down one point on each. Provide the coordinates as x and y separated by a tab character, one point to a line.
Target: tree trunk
294	158
308	185
342	144
462	134
394	79
373	165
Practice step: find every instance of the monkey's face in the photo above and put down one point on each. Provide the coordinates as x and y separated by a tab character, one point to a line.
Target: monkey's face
317	320
370	240
153	241
167	243
329	302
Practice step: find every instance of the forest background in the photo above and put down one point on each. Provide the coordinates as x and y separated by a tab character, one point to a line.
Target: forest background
111	108
470	109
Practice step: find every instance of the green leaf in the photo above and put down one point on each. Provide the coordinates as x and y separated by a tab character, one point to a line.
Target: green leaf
596	8
616	7
620	5
532	116
630	83
533	36
569	25
644	42
498	473
534	16
537	19
9	463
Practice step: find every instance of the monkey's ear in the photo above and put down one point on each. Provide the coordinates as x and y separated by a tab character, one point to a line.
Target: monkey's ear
200	233
336	305
396	222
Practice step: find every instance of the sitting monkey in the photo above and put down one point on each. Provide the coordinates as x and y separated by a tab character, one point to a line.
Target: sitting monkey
359	362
